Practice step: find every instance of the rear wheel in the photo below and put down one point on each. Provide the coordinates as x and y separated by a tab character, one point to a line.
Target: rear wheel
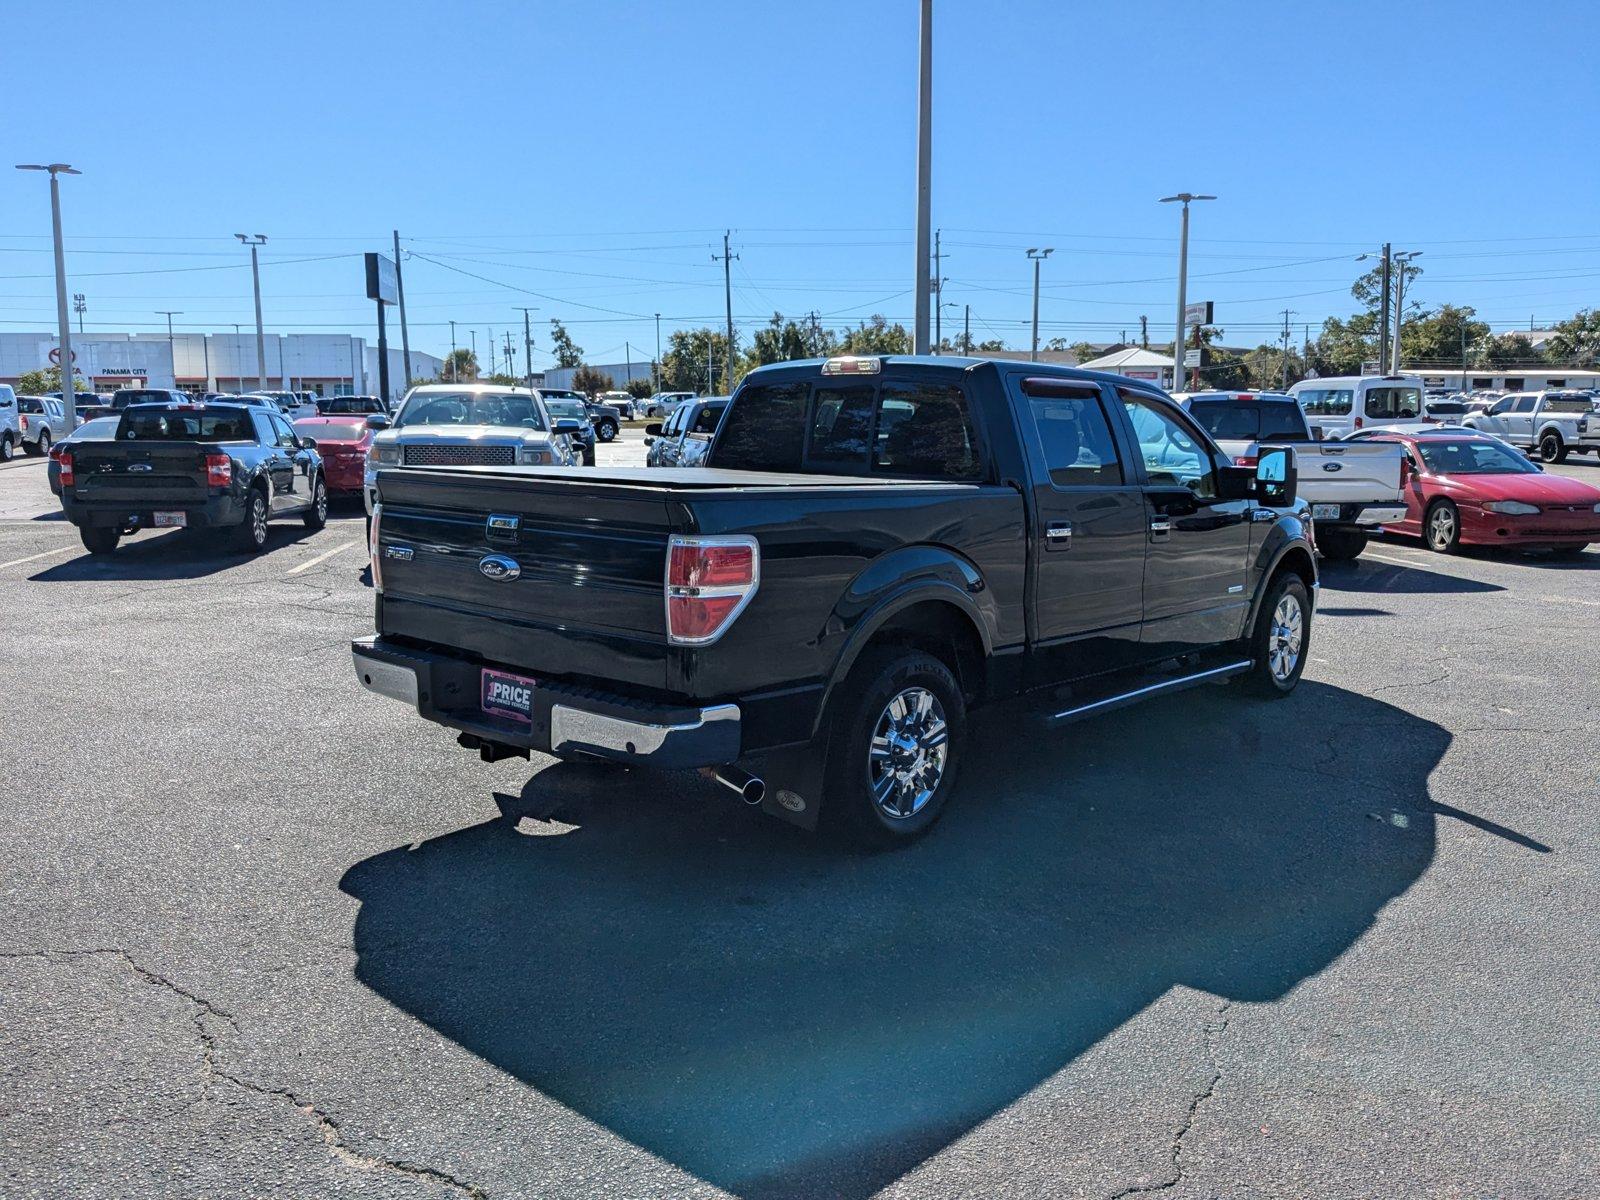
1551	448
44	441
8	448
317	514
1281	638
1341	545
899	731
251	535
1441	527
101	540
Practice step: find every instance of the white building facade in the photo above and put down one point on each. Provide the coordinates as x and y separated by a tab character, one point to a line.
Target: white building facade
332	364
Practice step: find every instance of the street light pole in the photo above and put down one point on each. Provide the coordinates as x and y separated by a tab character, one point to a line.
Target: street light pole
69	398
400	293
1183	280
172	349
656	366
527	345
924	177
253	241
455	369
1038	256
1399	268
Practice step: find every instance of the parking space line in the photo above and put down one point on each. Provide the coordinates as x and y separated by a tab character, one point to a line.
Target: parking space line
1399	562
323	557
17	562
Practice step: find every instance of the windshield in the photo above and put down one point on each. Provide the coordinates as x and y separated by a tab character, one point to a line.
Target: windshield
350	404
184	425
1251	420
566	408
128	396
1446	408
1472	456
470	408
331	431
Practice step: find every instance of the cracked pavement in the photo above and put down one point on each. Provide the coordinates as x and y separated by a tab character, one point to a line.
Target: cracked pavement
262	934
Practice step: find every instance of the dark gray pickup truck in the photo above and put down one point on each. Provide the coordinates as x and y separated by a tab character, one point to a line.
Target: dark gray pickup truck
876	546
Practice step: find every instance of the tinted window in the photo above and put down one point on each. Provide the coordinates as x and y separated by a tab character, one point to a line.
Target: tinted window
1076	440
1567	404
24	404
925	430
331	431
765	429
163	424
1327	402
710	415
1524	404
1250	420
841	426
1394	402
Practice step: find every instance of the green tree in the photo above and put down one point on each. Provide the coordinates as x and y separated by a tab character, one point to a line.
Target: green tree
1082	352
785	341
1577	339
590	381
876	336
1368	289
684	366
990	344
37	383
641	389
1509	349
568	353
459	365
1439	336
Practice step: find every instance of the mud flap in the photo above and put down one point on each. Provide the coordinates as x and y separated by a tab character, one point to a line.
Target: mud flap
794	778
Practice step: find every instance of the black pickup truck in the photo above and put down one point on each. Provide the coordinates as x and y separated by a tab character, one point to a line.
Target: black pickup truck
876	545
192	466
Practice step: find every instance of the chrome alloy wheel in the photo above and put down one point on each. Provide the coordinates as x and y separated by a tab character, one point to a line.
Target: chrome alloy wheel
1442	525
906	758
1283	643
321	501
258	519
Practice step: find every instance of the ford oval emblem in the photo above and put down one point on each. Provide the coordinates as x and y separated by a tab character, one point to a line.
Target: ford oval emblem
499	567
1333	466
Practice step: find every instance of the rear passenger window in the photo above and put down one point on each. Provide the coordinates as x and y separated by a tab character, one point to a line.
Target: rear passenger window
706	422
841	427
765	429
1076	440
924	429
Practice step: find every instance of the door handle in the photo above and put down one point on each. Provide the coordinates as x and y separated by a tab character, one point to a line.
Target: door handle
1058	535
1160	527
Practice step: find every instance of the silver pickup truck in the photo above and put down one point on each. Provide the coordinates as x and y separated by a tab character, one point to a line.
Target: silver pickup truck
1352	487
1549	422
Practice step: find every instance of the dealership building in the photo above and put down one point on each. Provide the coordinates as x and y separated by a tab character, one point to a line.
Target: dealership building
333	364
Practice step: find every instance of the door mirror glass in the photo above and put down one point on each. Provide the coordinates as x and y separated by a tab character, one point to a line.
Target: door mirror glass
1275	477
378	421
1316	433
308	443
653	429
566	425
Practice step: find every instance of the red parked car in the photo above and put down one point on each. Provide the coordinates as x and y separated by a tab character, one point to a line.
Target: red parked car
342	442
1468	489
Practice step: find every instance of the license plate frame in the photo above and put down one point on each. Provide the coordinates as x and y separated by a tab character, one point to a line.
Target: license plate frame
169	520
1324	512
507	696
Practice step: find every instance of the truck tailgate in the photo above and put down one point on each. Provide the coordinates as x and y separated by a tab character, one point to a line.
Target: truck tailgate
141	473
1349	472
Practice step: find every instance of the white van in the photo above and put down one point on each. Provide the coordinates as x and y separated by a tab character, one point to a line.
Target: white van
1340	405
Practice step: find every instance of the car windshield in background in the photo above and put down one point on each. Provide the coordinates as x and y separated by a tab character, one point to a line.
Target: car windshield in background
350	404
1250	420
128	396
470	408
1568	404
331	431
1472	456
566	408
1445	408
184	425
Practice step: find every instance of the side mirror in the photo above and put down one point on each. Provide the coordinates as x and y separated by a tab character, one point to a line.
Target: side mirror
566	425
653	429
308	443
378	421
1277	479
1316	433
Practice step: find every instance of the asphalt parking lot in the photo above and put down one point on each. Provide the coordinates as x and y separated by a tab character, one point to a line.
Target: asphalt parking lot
265	934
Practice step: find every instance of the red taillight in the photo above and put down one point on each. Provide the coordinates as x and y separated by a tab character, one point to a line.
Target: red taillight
1358	422
1244	460
64	458
219	470
23	419
709	581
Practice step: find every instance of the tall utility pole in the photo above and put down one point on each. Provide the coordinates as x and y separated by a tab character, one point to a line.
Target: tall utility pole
69	404
1038	256
78	305
172	349
253	241
511	362
938	291
1283	380
966	331
1400	262
455	369
1383	324
924	175
655	367
726	259
475	365
527	345
405	336
494	362
1183	280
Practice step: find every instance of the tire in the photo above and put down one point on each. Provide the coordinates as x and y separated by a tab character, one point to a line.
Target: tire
99	540
8	448
317	515
1281	640
1341	545
1441	527
588	455
42	446
907	704
250	535
1551	448
606	431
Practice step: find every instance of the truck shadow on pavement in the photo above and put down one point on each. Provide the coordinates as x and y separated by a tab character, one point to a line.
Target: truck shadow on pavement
782	1016
178	554
1372	575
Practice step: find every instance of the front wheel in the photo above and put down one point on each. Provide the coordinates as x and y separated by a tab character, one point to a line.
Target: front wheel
317	514
898	736
101	540
1551	448
1441	527
1281	638
1341	545
606	430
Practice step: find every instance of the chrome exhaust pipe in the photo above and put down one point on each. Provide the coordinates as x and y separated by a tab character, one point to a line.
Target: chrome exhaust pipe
751	790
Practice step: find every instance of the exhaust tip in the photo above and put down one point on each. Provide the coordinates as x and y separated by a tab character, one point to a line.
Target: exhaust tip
751	790
754	792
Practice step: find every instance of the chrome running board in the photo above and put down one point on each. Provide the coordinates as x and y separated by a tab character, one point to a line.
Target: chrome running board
1094	708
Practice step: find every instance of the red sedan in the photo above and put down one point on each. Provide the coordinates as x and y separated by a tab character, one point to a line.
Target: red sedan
1467	489
342	442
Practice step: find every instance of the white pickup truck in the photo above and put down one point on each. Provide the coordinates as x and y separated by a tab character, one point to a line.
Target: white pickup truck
1551	422
1352	487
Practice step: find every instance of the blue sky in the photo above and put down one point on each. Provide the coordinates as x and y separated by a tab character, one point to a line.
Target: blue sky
585	157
